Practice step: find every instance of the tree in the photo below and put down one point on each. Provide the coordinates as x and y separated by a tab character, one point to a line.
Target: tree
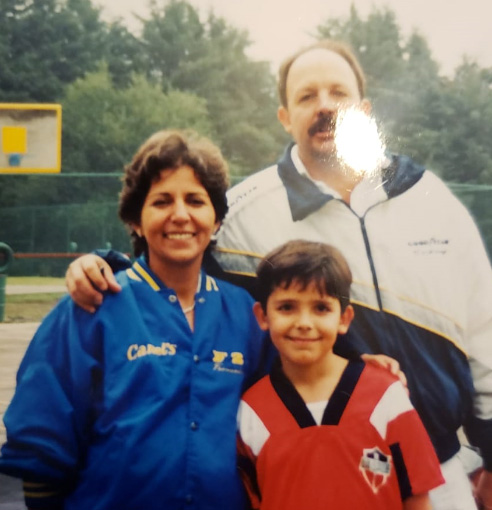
172	36
402	78
124	54
45	45
376	41
103	127
465	125
209	59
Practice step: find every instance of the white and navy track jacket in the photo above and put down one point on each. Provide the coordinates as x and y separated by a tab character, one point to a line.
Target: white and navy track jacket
129	408
422	282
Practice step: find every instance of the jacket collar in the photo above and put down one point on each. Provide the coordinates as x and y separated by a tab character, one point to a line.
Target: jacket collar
305	197
141	271
400	175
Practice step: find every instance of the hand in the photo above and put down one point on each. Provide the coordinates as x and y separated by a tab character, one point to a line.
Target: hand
383	361
417	502
483	491
86	277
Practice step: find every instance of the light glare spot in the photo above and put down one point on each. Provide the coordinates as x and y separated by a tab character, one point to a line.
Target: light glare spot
358	143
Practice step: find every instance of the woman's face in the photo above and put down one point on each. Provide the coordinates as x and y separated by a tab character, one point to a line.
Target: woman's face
177	220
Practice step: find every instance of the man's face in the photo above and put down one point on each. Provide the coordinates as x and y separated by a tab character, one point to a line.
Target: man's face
319	84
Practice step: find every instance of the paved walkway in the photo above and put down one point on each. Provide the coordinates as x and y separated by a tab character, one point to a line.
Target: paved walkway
34	289
14	339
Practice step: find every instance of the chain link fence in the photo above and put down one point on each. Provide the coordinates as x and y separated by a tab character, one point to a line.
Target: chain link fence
44	239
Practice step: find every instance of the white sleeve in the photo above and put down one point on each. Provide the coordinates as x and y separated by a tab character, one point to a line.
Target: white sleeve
251	429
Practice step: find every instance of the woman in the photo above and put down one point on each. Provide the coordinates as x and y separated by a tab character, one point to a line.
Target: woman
134	406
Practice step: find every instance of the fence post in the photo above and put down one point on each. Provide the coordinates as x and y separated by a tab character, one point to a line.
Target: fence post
6	257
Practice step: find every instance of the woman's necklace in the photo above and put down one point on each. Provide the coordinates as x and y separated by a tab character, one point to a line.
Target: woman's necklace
190	308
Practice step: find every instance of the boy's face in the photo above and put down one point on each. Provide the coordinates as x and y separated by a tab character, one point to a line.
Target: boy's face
303	323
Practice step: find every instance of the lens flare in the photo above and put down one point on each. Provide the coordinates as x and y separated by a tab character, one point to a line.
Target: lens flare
358	142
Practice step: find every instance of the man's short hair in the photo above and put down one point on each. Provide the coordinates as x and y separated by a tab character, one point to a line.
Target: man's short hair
302	263
338	47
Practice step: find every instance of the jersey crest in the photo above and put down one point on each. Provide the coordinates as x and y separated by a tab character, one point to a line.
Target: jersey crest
375	467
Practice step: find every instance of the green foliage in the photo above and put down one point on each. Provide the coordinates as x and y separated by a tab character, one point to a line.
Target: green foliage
124	55
376	41
60	229
172	36
104	126
209	59
182	71
49	45
465	125
45	45
443	123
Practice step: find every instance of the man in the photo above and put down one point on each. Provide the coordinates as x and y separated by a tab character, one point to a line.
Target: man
422	288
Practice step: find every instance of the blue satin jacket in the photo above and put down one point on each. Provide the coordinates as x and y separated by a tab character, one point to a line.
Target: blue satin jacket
128	408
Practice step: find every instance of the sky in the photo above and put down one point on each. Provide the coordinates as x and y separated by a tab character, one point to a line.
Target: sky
452	28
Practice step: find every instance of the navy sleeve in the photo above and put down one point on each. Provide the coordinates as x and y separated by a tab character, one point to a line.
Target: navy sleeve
479	432
118	261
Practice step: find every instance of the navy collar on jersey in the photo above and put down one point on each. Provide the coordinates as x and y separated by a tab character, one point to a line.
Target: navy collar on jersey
336	404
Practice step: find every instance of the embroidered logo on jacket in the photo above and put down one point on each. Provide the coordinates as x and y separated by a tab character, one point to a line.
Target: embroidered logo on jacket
137	351
375	467
431	246
228	361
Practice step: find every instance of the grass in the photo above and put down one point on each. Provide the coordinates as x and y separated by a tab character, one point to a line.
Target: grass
30	307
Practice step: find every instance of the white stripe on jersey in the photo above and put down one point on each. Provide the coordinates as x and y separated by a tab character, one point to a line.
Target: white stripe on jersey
251	428
394	402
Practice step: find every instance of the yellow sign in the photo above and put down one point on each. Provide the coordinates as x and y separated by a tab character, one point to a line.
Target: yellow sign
30	138
14	140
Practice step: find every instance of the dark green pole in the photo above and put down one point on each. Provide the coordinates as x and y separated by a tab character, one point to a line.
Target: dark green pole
6	257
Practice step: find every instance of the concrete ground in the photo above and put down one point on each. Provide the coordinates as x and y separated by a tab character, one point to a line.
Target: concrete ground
11	497
14	339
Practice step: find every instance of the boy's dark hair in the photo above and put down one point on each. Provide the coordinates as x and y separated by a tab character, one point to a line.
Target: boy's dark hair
167	150
305	262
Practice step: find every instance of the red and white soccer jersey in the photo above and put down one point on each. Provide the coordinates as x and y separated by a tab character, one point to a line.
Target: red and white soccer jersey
371	450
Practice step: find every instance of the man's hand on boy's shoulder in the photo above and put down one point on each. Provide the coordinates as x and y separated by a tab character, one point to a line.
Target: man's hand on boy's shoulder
383	361
418	502
86	277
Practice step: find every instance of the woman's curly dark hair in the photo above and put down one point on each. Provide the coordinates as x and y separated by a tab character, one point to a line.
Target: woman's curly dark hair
170	149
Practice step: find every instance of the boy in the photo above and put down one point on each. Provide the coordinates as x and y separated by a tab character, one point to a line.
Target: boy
321	431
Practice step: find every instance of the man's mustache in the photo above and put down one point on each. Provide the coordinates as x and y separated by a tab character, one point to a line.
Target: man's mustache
323	123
